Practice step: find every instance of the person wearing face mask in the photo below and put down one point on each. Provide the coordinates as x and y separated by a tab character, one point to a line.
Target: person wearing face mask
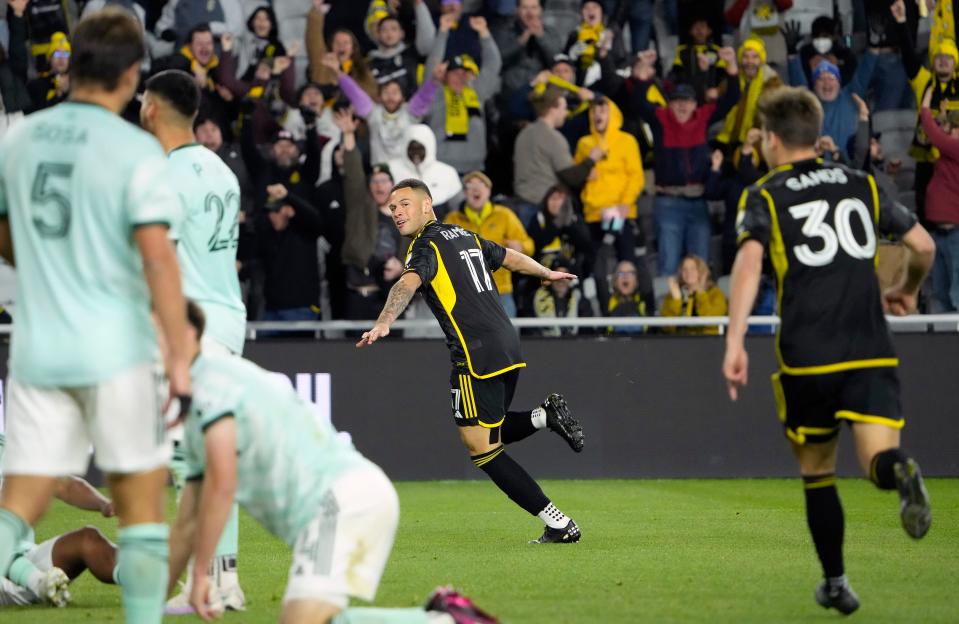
825	45
494	223
682	161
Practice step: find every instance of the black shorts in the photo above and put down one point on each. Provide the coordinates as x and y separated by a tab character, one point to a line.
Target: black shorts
481	401
811	407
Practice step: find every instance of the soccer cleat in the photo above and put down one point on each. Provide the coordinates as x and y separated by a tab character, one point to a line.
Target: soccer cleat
179	604
914	506
567	535
232	597
54	587
457	606
839	596
559	421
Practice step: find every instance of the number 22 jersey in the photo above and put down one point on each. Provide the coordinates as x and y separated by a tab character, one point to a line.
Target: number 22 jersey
821	224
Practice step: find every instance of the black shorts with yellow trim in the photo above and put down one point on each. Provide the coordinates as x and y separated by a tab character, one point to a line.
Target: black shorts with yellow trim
812	407
481	402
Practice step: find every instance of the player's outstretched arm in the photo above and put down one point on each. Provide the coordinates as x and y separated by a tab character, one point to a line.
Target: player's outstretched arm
216	499
744	284
183	532
521	263
901	300
78	493
400	296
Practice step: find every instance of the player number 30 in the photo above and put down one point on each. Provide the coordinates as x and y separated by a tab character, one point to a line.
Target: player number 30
840	234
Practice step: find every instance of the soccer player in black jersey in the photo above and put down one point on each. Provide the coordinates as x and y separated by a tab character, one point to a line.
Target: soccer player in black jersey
454	268
820	224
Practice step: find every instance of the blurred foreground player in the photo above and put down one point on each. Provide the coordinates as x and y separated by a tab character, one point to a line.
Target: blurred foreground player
248	437
207	236
820	223
85	203
454	267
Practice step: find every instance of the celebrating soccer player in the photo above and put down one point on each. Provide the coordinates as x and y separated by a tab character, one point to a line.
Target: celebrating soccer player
207	237
86	205
820	224
454	267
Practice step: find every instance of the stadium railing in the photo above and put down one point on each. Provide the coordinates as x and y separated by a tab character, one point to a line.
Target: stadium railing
916	323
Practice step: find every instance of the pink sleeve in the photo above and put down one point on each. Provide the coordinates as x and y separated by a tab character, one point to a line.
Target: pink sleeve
422	100
946	145
360	99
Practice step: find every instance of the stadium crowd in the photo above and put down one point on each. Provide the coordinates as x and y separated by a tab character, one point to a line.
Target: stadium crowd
612	138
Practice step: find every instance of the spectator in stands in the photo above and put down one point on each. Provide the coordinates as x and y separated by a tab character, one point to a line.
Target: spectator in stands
389	120
269	90
457	117
558	230
755	77
890	83
692	292
612	189
562	15
286	237
419	161
495	223
343	44
560	299
840	110
698	64
44	19
625	299
526	45
541	157
682	157
180	18
824	45
761	19
941	80
198	57
592	43
14	96
393	60
282	174
260	40
312	99
371	243
462	38
942	210
52	86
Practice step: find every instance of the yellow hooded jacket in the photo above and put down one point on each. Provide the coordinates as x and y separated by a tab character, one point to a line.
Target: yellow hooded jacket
618	178
496	224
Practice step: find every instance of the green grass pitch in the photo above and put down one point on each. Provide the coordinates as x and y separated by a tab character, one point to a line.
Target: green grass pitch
652	551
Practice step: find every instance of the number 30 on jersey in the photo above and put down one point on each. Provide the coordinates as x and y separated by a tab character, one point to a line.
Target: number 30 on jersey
833	236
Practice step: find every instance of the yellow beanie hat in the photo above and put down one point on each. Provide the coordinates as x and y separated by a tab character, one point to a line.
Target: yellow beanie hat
753	43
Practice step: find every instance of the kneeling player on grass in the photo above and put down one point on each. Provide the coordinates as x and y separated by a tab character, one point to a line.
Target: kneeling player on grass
42	572
249	438
820	223
454	268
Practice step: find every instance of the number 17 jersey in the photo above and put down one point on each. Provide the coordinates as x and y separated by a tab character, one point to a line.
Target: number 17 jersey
821	225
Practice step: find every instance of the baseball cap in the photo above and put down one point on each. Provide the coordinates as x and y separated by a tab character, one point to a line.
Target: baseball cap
682	92
463	61
283	135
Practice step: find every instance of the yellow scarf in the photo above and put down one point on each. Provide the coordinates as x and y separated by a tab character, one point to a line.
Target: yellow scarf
477	218
195	64
459	109
590	35
943	25
740	119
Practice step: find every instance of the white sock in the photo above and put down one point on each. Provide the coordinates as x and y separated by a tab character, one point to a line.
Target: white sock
539	418
554	518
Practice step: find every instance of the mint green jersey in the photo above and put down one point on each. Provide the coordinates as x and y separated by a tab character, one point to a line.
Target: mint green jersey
75	181
207	240
286	459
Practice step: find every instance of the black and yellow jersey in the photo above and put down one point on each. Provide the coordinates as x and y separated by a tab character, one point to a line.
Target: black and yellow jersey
821	224
456	268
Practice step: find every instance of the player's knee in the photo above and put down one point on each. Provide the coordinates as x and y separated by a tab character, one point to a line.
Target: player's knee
92	538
